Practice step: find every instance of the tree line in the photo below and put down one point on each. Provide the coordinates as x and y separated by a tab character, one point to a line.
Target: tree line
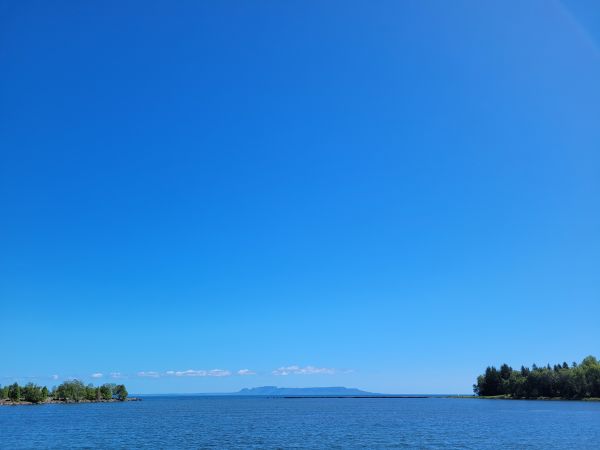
69	391
575	381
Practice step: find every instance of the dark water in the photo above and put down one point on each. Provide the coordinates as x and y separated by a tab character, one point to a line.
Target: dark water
233	422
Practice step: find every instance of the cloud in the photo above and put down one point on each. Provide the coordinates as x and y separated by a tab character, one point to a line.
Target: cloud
55	377
150	374
97	375
246	372
199	373
116	375
187	373
308	370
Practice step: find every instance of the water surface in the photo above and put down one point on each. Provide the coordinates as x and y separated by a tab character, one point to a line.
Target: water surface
265	423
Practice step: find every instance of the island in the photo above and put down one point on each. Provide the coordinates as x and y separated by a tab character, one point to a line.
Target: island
560	381
73	391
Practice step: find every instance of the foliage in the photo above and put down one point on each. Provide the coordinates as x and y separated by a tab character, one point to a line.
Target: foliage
105	392
69	391
558	381
120	392
73	390
34	393
91	393
14	392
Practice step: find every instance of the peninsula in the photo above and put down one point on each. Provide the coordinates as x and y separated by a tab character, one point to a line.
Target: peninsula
561	381
275	391
317	392
68	392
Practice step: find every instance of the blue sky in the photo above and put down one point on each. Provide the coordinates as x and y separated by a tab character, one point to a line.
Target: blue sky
384	195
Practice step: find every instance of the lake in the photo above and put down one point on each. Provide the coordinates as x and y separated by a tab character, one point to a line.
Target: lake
265	423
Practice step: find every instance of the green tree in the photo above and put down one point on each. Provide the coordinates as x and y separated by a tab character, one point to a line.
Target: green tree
560	380
32	393
516	385
74	391
90	392
505	371
106	392
14	392
489	384
591	368
44	394
120	392
69	391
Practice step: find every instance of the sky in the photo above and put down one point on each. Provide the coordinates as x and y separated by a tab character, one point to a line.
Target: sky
206	196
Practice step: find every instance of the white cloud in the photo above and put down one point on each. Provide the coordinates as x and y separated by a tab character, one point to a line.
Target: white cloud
308	370
55	377
187	373
97	375
150	374
116	375
199	373
246	372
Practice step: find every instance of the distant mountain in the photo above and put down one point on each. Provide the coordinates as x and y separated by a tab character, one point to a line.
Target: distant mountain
281	392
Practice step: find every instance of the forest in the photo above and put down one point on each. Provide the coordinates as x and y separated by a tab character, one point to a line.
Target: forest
575	381
69	391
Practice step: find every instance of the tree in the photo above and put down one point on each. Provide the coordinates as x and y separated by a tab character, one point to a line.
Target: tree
589	361
561	380
44	394
14	393
69	391
33	393
90	392
505	371
516	384
490	383
592	375
3	392
106	392
120	392
73	390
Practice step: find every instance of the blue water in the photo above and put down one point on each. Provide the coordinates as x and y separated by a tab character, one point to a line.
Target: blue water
266	423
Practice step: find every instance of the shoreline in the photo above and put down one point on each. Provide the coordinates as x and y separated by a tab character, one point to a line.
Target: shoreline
476	397
344	396
507	397
67	402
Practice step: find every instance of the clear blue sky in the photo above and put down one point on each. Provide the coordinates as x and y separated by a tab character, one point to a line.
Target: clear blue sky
388	195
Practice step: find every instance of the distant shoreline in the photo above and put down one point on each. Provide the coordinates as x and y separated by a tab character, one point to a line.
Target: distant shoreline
349	396
499	397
